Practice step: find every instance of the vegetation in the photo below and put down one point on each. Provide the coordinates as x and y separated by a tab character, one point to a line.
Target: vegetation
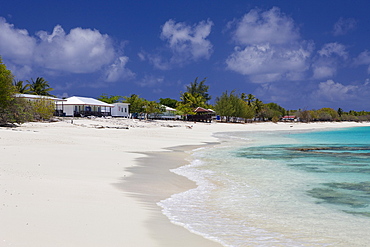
168	102
18	110
110	99
40	87
20	88
231	106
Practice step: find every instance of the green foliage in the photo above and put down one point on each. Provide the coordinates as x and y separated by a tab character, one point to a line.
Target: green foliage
168	102
43	109
40	87
189	102
231	105
110	99
275	119
20	88
327	114
19	111
136	103
277	110
7	89
195	96
200	88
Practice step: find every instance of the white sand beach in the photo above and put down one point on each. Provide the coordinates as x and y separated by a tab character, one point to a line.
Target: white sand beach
95	183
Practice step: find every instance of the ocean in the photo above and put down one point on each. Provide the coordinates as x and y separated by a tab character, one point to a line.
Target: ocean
279	188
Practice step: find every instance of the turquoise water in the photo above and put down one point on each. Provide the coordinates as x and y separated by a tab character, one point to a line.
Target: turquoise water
279	189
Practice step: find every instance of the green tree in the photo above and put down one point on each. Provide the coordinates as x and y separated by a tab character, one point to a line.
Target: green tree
43	109
232	105
250	99
20	88
340	112
110	99
189	102
40	87
152	107
168	102
200	88
12	109
136	103
258	107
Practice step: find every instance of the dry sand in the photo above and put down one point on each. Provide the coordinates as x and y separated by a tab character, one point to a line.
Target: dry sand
95	183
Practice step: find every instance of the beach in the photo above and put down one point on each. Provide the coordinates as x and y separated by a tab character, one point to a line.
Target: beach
97	182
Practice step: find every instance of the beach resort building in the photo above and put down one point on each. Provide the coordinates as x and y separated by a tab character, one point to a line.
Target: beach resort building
120	110
59	106
83	106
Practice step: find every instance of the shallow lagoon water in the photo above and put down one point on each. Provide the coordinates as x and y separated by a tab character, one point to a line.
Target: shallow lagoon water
279	189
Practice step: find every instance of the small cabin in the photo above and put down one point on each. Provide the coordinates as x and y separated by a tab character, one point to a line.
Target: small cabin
120	110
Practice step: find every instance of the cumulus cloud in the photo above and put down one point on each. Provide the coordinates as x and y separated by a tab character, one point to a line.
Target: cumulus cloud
185	43
16	44
328	60
270	26
343	26
266	63
269	47
334	91
363	59
79	51
118	70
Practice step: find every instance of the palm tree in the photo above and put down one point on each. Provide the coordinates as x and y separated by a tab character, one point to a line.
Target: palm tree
20	87
258	106
40	87
250	99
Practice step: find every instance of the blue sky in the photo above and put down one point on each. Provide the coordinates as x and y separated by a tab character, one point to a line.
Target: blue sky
299	54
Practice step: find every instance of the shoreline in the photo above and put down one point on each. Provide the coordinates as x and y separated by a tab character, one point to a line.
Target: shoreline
160	184
58	181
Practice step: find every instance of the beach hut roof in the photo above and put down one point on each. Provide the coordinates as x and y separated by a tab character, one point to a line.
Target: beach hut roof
31	96
74	100
201	109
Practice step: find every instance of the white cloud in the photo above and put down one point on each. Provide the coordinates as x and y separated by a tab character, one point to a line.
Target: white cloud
269	48
270	26
118	70
188	41
343	26
184	43
332	91
267	63
328	60
16	44
363	59
79	51
331	49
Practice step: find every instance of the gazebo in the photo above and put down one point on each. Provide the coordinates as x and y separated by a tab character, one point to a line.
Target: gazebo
201	115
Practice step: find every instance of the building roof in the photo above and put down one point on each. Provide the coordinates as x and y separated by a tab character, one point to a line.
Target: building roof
32	96
168	108
74	100
201	109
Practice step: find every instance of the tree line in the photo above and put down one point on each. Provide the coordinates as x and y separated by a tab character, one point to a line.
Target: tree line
18	110
230	106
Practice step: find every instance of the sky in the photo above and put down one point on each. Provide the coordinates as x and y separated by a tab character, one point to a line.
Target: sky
298	54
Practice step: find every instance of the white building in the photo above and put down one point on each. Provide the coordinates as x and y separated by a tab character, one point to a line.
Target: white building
83	106
59	106
120	110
